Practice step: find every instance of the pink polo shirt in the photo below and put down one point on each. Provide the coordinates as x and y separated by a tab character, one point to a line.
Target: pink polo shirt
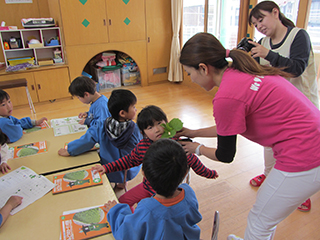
269	110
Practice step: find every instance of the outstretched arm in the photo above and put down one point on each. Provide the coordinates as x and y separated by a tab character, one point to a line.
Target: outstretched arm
202	132
12	203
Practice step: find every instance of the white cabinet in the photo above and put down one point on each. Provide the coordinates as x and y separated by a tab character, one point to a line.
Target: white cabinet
49	42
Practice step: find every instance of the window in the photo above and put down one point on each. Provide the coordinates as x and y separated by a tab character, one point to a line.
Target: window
289	8
195	17
313	27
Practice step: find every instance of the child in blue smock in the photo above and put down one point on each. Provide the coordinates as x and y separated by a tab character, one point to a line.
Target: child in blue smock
171	213
10	125
117	135
84	88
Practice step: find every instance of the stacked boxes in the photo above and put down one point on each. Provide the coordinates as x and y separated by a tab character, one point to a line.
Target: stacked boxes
108	79
130	74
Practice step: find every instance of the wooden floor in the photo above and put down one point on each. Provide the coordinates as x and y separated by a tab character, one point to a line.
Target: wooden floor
231	193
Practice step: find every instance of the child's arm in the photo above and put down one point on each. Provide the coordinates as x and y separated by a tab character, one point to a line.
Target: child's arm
12	128
4	167
38	122
199	168
12	203
84	144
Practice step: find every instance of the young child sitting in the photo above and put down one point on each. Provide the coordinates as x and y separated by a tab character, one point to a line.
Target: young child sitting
13	202
149	121
117	135
4	167
10	125
84	88
172	212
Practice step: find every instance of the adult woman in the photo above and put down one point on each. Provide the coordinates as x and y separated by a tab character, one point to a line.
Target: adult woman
288	47
254	101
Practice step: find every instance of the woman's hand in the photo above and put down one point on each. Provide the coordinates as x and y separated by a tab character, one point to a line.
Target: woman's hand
186	132
189	147
63	152
38	122
98	168
258	50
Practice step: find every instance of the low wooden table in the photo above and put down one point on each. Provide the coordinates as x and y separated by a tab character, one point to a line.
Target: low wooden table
51	162
41	219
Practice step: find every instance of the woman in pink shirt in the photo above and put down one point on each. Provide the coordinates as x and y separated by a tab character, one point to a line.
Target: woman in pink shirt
256	102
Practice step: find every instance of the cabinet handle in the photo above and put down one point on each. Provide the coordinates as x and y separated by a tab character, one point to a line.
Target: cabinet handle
32	87
109	22
104	22
39	87
148	39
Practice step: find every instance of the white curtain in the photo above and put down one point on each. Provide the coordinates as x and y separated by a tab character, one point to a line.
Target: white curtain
175	68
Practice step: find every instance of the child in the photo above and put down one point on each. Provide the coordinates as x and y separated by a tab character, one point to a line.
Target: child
13	202
84	88
12	126
149	121
117	135
172	213
4	167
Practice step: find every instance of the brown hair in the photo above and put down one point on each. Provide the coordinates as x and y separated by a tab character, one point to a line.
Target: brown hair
206	48
268	6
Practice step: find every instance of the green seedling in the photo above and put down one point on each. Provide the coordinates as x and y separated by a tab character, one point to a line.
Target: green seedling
171	128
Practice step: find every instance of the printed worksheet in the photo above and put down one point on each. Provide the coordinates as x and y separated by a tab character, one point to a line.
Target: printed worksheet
25	183
63	126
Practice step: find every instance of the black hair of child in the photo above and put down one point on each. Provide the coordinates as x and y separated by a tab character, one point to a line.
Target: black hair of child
3	138
82	84
165	166
120	99
148	116
3	95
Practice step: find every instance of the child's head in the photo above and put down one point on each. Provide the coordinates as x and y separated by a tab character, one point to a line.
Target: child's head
165	166
149	122
121	104
3	138
5	104
82	86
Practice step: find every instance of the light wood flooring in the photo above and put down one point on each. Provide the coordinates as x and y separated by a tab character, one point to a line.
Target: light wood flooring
231	193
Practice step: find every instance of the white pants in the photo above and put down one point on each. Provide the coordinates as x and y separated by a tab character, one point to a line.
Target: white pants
279	195
269	160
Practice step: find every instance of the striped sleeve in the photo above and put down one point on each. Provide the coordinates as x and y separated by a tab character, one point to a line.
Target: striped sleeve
129	161
199	168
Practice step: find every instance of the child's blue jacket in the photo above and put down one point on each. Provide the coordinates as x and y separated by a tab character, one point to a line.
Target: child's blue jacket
13	127
108	152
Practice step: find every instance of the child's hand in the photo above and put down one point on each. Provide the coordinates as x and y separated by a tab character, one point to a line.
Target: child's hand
4	167
216	176
63	152
98	168
83	115
38	122
82	121
109	205
14	201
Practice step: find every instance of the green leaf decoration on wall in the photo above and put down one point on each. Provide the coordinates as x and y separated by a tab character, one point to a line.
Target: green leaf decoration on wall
126	1
127	21
85	23
83	1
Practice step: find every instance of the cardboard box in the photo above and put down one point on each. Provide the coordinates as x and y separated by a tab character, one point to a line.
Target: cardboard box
130	74
45	62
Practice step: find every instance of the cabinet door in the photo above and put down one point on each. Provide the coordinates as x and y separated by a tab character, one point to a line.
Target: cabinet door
52	84
126	20
159	35
84	22
18	96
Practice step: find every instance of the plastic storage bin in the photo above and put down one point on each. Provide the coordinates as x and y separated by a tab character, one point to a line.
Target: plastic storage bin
130	74
108	79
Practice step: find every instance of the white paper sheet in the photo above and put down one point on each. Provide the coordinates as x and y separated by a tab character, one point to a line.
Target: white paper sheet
25	183
63	126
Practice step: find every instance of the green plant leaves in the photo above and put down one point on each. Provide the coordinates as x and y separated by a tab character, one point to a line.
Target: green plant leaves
171	128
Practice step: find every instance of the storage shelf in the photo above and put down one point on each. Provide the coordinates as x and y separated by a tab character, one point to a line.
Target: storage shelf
23	36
